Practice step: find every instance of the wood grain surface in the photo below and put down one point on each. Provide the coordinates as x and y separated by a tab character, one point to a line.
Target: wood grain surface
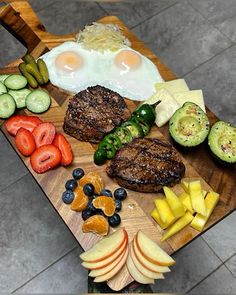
19	19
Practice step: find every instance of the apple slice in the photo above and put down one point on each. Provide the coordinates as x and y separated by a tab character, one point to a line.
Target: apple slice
146	263
101	271
142	269
105	262
114	271
136	274
105	247
152	252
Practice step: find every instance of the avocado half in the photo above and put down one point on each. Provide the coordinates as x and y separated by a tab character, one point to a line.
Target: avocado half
189	126
222	142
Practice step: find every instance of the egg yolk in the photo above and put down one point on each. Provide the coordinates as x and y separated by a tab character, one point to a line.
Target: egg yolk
69	61
128	59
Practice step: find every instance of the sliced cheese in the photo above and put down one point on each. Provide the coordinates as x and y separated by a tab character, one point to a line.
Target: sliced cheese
166	108
173	86
195	96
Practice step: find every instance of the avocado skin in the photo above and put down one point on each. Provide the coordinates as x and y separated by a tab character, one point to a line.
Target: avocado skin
218	159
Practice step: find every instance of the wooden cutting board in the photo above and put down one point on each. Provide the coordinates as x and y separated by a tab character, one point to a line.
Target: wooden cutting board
19	18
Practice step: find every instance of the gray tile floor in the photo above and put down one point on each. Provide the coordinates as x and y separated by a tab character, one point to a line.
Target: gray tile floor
197	40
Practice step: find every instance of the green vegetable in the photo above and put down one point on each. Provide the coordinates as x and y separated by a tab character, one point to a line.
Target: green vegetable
222	142
142	123
20	96
113	139
15	82
29	59
147	112
189	126
100	157
35	73
43	69
32	82
134	128
124	134
38	101
7	106
3	88
108	148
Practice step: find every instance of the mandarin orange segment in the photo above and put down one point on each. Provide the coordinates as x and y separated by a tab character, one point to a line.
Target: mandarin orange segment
95	179
80	201
96	224
106	204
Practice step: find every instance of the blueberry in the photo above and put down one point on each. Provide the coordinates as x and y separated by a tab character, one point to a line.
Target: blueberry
71	184
120	194
87	213
106	192
118	205
68	197
92	197
90	206
88	189
114	220
78	173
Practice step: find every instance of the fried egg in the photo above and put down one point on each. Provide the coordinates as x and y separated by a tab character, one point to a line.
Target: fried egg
126	71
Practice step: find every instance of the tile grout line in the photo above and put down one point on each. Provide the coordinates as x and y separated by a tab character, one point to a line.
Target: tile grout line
150	17
214	26
103	9
206	61
17	180
227	266
205	278
213	250
50	265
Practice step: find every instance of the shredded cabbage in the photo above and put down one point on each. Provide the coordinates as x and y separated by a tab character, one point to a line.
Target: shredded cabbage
102	37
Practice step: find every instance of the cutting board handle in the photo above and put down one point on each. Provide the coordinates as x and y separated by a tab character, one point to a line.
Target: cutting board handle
21	21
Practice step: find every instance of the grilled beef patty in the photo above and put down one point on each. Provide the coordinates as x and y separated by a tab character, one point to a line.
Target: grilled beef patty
146	165
94	112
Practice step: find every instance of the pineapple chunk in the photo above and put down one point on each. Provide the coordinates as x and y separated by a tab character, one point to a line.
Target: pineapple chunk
197	197
164	211
185	186
156	216
186	201
199	221
177	226
175	204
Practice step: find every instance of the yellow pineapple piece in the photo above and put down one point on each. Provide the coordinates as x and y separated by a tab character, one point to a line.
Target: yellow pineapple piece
155	215
164	211
197	197
175	204
177	226
199	221
186	201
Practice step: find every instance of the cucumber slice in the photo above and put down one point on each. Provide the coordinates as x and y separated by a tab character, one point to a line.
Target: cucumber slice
15	82
7	106
20	96
3	78
3	88
38	101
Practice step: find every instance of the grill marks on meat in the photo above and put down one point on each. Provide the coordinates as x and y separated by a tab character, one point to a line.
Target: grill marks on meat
94	112
146	165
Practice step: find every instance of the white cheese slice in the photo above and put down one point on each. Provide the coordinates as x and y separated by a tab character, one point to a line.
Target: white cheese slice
166	108
195	96
173	86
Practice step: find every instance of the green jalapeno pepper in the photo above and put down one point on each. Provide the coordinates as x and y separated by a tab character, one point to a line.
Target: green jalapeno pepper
100	157
114	140
134	128
142	123
147	112
108	147
124	134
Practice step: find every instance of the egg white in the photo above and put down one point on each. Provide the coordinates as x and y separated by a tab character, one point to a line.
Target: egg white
100	69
